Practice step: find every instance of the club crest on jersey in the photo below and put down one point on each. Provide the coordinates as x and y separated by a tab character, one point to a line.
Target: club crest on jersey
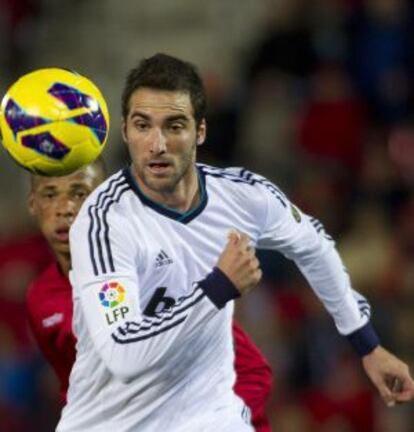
112	298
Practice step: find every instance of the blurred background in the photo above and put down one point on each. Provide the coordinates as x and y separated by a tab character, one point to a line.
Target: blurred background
317	96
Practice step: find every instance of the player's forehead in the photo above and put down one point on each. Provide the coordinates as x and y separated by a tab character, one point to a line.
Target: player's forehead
85	177
156	103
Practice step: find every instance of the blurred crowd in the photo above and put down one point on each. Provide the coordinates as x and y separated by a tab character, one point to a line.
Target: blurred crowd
325	109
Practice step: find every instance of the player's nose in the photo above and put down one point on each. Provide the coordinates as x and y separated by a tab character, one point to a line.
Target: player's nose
65	207
158	143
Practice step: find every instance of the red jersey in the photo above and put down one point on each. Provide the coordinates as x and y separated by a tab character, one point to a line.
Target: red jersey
21	259
49	309
49	304
253	378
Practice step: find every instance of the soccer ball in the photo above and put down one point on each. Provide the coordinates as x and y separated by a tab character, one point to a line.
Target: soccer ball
53	121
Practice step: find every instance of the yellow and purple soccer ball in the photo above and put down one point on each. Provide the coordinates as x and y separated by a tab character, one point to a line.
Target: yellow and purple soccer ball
54	121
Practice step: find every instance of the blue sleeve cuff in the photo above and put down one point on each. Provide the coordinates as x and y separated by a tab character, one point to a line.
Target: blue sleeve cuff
219	288
364	340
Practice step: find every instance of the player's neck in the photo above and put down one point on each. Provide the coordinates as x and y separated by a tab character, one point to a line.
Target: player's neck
184	197
64	262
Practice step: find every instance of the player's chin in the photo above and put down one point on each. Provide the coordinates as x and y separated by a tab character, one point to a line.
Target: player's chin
60	246
161	183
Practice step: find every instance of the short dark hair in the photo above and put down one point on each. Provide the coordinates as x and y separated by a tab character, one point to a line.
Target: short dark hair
98	165
164	72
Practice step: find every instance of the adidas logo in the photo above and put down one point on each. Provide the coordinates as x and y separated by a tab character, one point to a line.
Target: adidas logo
162	259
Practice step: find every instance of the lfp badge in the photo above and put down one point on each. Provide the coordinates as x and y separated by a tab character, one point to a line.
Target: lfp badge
112	297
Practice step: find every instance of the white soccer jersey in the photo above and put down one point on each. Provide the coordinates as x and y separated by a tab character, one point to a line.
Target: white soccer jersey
153	321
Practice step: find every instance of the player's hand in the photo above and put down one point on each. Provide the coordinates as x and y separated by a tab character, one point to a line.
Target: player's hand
238	261
390	375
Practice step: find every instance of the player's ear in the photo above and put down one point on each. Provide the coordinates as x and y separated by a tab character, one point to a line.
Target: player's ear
201	132
32	209
123	130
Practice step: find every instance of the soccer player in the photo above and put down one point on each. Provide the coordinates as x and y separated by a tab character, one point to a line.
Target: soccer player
162	248
55	202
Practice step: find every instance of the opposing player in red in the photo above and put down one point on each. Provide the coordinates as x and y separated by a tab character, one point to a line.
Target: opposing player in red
55	202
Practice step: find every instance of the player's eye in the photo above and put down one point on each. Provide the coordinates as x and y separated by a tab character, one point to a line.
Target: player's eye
176	127
48	195
141	125
80	194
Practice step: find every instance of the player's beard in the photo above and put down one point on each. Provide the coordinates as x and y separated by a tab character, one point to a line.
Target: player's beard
180	168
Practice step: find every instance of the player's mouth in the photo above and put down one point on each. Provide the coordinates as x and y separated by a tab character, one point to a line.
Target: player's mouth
159	167
62	234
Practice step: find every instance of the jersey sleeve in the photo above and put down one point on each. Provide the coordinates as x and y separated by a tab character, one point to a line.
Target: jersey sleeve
108	287
56	342
253	377
303	239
